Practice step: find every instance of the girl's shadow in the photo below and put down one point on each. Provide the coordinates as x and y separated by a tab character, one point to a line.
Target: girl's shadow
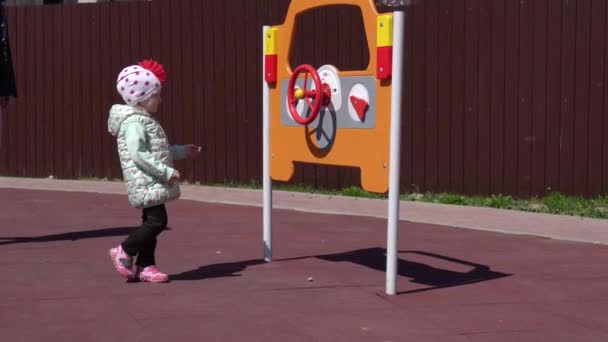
70	236
227	269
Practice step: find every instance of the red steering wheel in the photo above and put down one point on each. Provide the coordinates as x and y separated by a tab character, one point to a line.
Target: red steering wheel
321	97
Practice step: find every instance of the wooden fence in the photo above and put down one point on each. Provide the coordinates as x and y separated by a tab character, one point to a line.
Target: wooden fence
501	96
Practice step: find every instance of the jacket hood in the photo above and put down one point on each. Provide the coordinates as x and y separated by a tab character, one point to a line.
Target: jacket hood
119	113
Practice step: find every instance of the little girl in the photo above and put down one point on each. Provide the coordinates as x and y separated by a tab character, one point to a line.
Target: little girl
146	159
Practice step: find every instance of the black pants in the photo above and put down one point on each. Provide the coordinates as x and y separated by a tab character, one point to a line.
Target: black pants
142	242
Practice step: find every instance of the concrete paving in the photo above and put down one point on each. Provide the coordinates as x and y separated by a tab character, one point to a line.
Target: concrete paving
326	282
560	227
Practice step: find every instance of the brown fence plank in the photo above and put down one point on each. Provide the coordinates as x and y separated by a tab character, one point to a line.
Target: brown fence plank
597	70
81	33
444	95
177	123
109	68
158	52
168	112
104	92
240	90
524	117
145	24
233	139
198	129
253	106
66	68
136	34
567	110
511	98
581	96
83	74
458	104
41	122
245	83
156	39
186	81
211	114
553	82
220	95
604	155
407	143
484	82
54	106
94	113
116	33
431	94
471	97
539	96
498	115
63	161
418	99
45	78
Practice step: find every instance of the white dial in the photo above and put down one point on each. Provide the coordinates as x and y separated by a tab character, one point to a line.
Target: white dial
329	74
358	102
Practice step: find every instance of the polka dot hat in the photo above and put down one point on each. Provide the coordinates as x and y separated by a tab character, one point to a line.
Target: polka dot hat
137	83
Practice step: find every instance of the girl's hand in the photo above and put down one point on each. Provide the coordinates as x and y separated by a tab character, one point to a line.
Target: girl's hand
175	176
193	151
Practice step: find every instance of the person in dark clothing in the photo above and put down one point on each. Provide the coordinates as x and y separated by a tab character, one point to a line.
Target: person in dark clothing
8	88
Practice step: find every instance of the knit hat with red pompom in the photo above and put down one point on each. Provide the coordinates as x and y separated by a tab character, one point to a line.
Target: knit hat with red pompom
137	83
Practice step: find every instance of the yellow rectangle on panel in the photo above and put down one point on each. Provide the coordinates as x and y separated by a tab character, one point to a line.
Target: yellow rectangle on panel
385	30
272	44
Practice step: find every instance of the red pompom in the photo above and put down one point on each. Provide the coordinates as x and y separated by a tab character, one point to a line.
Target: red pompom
155	67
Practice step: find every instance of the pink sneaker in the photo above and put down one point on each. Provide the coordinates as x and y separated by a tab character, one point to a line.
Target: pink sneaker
123	263
151	274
